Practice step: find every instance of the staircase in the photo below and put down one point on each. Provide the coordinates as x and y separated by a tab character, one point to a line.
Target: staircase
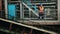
49	5
31	7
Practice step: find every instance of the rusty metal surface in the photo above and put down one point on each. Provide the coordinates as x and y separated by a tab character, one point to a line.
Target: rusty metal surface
0	4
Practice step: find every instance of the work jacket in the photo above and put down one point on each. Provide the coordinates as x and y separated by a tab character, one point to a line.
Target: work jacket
41	9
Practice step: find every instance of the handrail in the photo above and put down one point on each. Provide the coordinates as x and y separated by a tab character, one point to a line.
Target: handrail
30	9
29	3
39	29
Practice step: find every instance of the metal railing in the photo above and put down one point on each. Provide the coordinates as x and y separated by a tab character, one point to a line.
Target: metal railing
28	26
27	4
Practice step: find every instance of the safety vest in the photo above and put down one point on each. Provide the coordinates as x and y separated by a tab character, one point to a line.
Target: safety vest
41	9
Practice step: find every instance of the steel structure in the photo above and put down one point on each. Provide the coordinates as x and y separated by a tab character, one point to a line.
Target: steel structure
25	13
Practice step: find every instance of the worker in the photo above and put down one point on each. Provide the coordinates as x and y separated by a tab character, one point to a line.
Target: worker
41	12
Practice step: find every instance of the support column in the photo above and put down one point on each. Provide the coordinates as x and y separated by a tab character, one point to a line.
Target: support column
58	10
29	14
10	27
31	31
21	12
5	1
23	30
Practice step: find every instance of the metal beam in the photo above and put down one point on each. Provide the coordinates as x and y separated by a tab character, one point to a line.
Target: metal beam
45	3
30	9
58	10
39	29
21	11
5	1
